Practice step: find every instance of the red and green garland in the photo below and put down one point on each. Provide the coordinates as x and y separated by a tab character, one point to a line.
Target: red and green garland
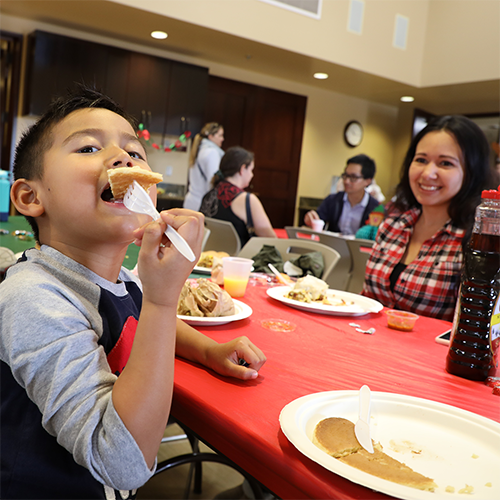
144	134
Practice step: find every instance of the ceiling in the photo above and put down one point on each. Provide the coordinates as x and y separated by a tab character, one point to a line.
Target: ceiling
134	26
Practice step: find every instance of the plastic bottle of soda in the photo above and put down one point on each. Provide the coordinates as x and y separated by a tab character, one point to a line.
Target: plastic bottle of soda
473	351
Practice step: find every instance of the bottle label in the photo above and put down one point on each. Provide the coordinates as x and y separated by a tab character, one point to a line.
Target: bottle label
495	332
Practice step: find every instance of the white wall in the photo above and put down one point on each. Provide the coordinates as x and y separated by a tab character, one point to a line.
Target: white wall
326	38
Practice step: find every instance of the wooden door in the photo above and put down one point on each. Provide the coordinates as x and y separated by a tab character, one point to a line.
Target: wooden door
270	123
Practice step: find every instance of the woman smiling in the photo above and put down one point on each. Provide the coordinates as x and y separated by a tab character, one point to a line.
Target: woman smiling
416	261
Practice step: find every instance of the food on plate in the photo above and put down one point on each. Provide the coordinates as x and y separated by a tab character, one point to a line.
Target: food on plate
204	298
313	290
308	289
336	437
120	179
211	257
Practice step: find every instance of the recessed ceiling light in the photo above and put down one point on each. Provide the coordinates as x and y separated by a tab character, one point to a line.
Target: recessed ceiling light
407	98
320	76
159	35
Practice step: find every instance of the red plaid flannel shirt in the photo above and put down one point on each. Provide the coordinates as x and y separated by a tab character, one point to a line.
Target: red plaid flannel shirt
429	285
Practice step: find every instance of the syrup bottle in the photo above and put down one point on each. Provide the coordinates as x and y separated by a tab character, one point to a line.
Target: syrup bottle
475	338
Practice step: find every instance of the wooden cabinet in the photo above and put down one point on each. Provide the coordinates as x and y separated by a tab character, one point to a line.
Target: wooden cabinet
147	90
187	98
56	62
167	96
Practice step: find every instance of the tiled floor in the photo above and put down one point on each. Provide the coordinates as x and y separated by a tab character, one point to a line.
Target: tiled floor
171	484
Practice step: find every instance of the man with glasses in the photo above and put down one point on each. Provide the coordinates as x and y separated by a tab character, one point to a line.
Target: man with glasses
346	211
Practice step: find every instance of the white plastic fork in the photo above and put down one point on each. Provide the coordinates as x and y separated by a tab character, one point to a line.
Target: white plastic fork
137	200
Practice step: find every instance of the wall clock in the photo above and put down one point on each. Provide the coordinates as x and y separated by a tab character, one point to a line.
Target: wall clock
353	133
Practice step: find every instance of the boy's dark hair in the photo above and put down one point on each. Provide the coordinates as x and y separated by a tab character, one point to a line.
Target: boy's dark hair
477	173
37	140
230	164
368	168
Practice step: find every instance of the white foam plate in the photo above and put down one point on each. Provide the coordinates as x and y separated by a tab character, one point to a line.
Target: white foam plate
455	447
242	311
361	305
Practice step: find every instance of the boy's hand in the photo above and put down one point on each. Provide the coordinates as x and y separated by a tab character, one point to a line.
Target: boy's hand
226	359
162	269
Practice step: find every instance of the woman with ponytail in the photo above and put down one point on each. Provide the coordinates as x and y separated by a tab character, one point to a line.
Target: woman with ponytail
204	161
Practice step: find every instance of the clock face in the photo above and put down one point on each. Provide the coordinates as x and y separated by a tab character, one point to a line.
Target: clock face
353	133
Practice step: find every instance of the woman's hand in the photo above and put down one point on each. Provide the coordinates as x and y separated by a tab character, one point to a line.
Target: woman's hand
229	359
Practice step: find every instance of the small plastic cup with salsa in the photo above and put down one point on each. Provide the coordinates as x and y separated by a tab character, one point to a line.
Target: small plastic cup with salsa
401	320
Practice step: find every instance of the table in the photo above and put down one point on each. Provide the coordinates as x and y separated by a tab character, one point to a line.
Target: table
241	419
18	222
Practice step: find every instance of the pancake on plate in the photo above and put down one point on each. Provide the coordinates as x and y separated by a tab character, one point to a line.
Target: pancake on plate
336	437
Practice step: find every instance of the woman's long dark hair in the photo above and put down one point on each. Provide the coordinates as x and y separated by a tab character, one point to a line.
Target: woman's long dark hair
230	164
477	172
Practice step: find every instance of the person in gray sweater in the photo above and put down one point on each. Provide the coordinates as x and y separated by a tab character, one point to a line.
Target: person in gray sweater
87	349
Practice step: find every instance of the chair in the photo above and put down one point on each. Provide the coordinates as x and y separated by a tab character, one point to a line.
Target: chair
223	237
196	458
359	259
293	249
341	275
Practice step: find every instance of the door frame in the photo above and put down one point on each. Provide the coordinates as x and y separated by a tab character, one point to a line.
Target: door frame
9	91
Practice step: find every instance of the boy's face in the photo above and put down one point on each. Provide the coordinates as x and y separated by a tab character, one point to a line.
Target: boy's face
86	144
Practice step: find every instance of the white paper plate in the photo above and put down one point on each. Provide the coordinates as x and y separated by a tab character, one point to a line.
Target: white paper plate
456	447
242	311
202	270
362	305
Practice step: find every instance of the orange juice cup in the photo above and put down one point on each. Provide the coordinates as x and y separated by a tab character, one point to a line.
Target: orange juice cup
236	274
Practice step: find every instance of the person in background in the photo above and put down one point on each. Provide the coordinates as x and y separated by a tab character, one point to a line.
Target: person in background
204	160
416	260
228	201
346	211
373	190
87	349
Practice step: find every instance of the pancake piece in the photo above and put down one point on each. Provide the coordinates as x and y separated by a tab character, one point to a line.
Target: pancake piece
336	437
381	465
120	179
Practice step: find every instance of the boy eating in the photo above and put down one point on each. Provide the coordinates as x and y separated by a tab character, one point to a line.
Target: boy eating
87	350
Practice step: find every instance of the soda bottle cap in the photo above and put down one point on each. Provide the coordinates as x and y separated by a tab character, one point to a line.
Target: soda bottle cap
491	194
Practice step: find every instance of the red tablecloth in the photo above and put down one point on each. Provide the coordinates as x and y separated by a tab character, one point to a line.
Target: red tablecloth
324	353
